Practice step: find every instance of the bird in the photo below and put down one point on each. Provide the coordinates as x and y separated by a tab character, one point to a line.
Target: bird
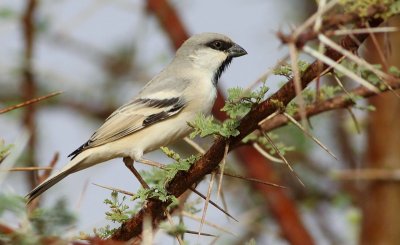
159	114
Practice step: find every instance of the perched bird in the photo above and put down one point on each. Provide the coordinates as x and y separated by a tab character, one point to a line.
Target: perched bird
158	115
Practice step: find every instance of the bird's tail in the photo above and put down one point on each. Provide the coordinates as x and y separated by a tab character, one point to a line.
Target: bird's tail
45	185
72	166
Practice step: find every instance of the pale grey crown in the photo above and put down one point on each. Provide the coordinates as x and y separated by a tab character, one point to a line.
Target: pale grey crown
199	41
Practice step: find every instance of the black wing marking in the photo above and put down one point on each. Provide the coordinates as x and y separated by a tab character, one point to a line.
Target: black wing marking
132	117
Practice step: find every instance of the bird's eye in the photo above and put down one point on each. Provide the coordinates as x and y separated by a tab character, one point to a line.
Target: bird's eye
217	45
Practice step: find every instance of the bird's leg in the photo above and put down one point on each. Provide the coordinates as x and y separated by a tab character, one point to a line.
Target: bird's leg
129	164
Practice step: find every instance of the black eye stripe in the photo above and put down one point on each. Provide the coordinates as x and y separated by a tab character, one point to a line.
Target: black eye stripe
219	45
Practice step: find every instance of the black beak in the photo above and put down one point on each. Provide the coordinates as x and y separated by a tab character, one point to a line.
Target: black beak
236	51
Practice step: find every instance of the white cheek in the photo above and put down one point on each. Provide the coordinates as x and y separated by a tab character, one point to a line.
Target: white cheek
208	59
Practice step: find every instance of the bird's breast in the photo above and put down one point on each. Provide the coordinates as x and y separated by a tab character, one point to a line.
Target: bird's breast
201	97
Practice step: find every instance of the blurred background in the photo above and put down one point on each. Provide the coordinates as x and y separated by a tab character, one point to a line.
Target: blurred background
99	53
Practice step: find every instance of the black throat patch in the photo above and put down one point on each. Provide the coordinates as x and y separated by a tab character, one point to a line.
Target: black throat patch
221	69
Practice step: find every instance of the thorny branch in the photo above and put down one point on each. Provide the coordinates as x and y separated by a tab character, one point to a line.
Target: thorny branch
288	218
338	102
26	103
205	165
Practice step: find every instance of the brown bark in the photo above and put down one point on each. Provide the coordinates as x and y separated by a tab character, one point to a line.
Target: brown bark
28	82
381	205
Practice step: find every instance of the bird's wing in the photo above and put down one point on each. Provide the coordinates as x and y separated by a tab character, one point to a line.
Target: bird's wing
132	117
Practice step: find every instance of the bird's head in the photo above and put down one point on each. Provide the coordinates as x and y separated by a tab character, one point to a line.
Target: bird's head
210	52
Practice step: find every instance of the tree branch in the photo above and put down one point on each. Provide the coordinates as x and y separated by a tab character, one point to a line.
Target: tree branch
28	83
205	165
340	101
289	220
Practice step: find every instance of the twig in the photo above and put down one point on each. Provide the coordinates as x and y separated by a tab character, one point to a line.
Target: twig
269	117
224	204
29	102
213	203
354	118
207	201
311	19
16	169
253	180
214	241
222	168
266	154
318	21
282	157
151	163
201	234
147	233
195	146
378	47
342	87
309	135
321	48
371	31
340	68
357	60
115	189
82	195
172	223
297	83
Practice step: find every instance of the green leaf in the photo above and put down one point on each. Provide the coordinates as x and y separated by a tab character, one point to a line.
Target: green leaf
170	153
364	72
240	101
157	192
286	69
119	212
328	91
237	110
362	8
205	126
394	70
104	232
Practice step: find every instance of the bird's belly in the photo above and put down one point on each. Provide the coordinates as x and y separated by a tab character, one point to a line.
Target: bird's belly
152	137
163	135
